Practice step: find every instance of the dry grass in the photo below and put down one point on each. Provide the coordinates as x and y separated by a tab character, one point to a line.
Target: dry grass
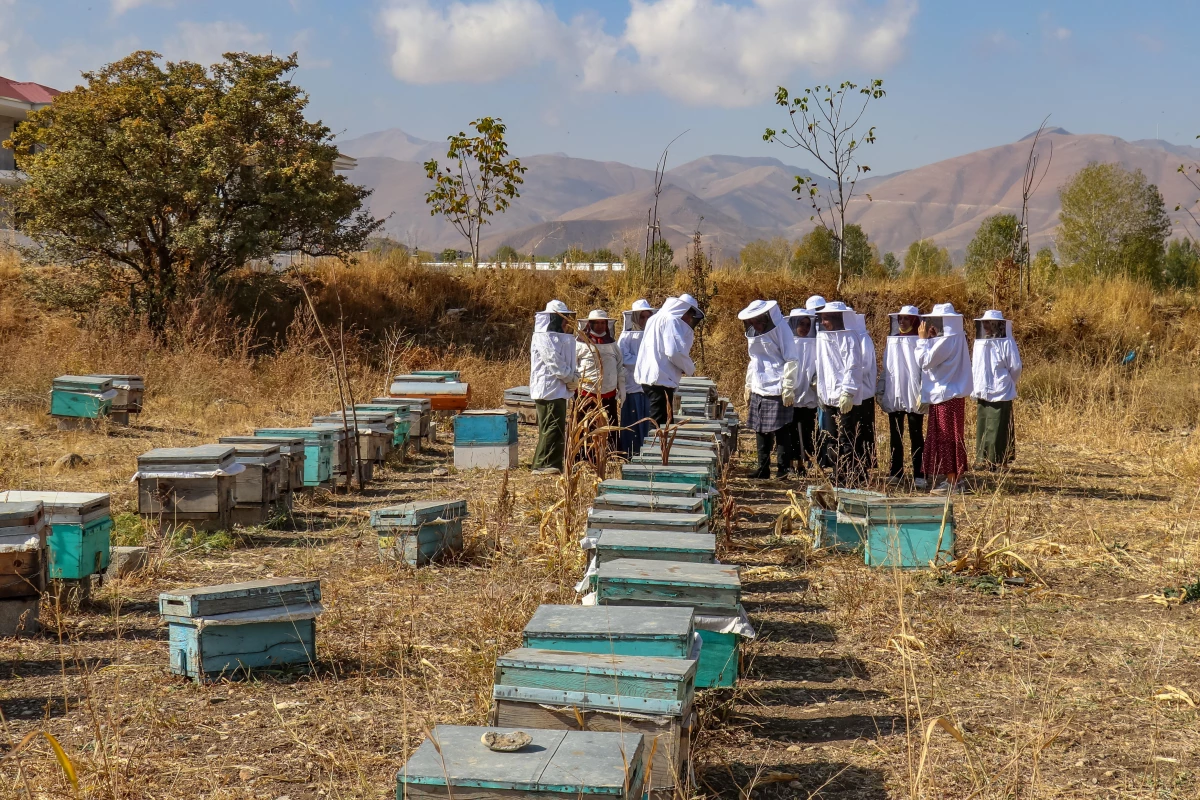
1083	686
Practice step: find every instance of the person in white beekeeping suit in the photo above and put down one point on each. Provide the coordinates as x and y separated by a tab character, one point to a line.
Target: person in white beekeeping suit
996	368
665	355
839	375
803	324
900	394
945	384
864	431
598	359
552	379
635	413
770	384
814	303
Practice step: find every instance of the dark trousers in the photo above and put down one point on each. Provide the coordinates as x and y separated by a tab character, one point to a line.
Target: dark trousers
838	441
659	399
803	428
864	435
916	442
552	431
779	442
995	434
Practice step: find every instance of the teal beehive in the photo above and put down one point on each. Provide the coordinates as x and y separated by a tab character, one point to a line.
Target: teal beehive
421	532
637	520
318	452
615	630
80	526
828	531
700	548
654	503
81	396
653	488
909	533
479	428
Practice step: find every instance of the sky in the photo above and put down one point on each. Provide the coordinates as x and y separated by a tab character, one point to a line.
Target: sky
618	79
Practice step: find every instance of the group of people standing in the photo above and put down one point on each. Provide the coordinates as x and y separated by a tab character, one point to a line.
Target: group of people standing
811	389
812	386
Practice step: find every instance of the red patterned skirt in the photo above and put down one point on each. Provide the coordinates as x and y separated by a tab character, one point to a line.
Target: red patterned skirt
945	448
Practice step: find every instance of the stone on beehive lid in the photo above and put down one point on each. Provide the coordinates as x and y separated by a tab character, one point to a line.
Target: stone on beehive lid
318	451
188	485
617	630
647	521
713	589
233	628
23	557
700	548
81	396
421	532
80	526
566	764
557	690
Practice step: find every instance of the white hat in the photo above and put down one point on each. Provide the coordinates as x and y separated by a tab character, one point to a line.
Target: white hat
598	313
643	305
691	301
802	312
557	307
908	311
756	309
943	310
834	307
815	302
992	314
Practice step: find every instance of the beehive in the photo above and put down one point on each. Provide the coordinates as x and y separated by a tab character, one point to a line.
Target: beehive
651	503
485	440
420	412
557	764
599	519
614	630
517	400
401	423
256	488
232	629
557	690
291	461
420	533
700	548
79	529
828	531
318	452
375	431
442	395
656	489
23	557
188	486
78	397
448	375
130	390
344	460
909	532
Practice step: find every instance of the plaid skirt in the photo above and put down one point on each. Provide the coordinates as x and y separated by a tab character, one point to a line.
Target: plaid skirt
945	447
768	414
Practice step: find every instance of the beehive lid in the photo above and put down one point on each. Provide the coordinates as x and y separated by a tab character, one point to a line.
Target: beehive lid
650	502
610	622
652	667
487	412
517	393
255	449
73	503
420	403
82	383
20	514
600	518
658	541
420	388
416	377
361	414
419	512
336	430
308	434
226	598
451	375
215	455
287	444
674	573
570	763
125	381
651	487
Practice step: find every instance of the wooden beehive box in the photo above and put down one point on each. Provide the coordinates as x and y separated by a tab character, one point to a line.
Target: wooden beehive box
342	463
233	628
448	375
485	440
420	413
556	690
707	463
828	531
517	400
291	461
682	454
318	452
402	424
256	488
81	397
647	521
80	526
653	488
442	395
421	532
375	431
557	764
23	557
657	473
188	486
700	548
653	503
130	390
614	630
906	532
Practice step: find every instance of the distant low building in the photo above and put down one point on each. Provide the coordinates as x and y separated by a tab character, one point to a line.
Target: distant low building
17	101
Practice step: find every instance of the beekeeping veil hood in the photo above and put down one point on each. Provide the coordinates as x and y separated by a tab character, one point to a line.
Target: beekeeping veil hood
598	315
945	358
993	325
697	312
901	372
764	313
945	320
796	321
835	317
630	318
557	318
552	353
771	348
896	326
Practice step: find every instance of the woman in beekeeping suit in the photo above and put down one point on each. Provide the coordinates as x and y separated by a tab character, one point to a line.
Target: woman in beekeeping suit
803	323
665	354
635	413
900	394
598	360
839	381
864	433
770	383
945	383
996	368
552	379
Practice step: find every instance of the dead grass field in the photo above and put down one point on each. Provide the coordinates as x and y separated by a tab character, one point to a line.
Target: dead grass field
1064	665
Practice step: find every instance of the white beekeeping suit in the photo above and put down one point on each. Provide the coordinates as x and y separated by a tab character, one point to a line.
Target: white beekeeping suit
839	358
866	350
630	343
599	358
996	361
552	372
901	372
665	355
944	360
803	324
773	363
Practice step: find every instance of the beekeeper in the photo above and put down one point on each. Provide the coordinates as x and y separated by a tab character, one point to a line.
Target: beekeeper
864	433
770	384
803	324
598	360
995	368
553	377
635	414
839	383
945	383
900	394
665	355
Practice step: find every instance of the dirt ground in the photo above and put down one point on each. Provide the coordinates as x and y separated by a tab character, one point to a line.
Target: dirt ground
1060	668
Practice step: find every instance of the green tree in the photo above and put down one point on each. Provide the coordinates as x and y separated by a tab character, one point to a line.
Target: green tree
996	242
507	254
767	255
815	255
1181	265
477	183
861	257
825	123
448	255
661	260
171	177
1113	222
891	265
924	259
1044	269
605	256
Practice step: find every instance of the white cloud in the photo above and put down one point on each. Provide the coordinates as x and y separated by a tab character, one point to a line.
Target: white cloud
121	6
704	52
206	42
1062	34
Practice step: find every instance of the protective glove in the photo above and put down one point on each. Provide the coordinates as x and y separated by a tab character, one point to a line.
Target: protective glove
789	399
572	381
845	402
791	371
921	407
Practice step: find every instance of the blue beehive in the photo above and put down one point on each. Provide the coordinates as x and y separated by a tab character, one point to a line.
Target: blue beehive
220	631
910	532
828	532
318	452
616	630
493	427
421	532
81	396
80	526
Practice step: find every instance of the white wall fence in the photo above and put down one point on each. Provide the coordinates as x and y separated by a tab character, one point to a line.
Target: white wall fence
540	266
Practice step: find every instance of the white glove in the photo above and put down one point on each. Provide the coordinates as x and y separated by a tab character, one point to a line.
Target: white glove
572	381
746	394
791	370
921	407
845	402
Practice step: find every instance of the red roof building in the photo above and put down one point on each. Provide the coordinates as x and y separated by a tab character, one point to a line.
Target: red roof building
32	93
17	100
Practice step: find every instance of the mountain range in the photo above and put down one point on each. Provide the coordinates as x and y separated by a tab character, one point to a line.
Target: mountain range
734	200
